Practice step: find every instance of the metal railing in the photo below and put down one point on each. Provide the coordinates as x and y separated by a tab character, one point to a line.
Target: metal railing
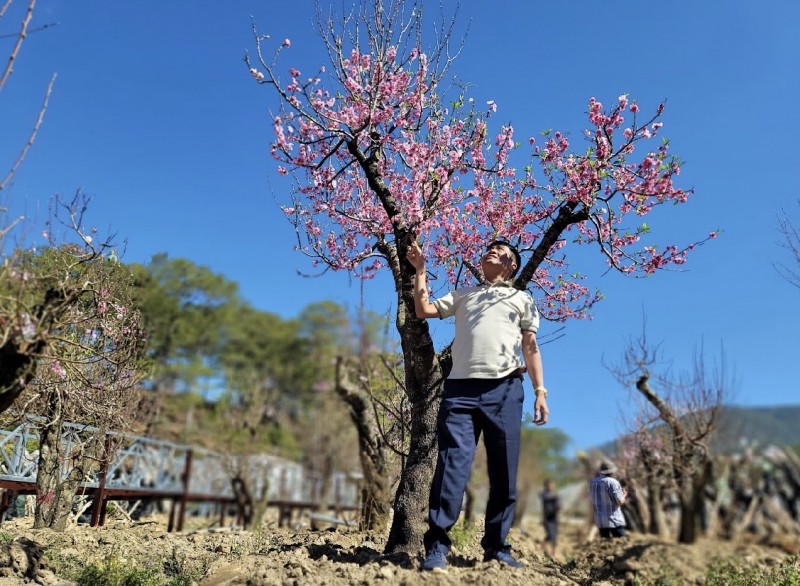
147	466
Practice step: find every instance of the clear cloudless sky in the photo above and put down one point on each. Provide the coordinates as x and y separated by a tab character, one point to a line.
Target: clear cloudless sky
155	116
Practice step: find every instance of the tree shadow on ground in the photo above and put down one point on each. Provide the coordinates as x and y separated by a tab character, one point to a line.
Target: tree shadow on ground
359	555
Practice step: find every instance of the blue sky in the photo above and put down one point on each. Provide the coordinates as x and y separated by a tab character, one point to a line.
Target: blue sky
155	116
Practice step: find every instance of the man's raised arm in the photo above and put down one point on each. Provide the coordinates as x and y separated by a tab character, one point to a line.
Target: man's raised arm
422	305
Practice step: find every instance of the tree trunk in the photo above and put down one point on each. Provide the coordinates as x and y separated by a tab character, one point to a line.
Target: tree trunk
411	500
424	380
244	501
374	495
424	377
325	472
54	494
690	518
657	525
251	503
692	502
371	452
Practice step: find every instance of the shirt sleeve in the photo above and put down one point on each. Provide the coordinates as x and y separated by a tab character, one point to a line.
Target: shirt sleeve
615	488
446	305
530	315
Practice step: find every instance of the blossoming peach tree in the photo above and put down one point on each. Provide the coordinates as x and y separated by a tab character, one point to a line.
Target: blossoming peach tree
85	343
382	154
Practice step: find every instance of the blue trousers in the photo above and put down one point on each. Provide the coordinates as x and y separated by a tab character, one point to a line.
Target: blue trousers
471	407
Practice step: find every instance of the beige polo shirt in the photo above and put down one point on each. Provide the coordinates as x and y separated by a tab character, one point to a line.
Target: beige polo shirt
490	319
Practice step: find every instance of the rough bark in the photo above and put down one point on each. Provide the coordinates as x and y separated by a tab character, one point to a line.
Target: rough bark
251	508
371	451
690	465
424	378
55	490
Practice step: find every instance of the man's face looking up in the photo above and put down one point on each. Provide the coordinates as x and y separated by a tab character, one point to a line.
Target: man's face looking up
499	256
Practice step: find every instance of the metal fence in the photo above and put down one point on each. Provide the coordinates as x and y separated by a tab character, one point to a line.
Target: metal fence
145	466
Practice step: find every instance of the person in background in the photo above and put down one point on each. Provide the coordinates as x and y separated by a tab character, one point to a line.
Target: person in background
607	497
551	505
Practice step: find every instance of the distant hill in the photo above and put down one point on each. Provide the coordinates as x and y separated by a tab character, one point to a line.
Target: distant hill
778	425
739	426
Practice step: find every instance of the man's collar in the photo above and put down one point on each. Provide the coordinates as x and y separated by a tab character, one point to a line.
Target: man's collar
499	284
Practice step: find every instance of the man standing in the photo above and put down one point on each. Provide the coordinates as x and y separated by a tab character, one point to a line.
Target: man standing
608	496
495	323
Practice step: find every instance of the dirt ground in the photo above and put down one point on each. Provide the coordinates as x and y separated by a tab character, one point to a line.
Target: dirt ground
339	555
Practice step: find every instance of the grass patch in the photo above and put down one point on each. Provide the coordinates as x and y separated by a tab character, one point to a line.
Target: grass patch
463	536
113	571
728	573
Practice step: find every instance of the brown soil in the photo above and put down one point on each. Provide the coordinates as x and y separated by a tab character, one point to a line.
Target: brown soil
345	556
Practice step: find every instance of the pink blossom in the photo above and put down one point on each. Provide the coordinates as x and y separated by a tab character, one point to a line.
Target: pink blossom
257	75
287	43
58	368
453	182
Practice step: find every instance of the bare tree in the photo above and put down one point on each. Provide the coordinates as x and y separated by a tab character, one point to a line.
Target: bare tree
673	427
377	408
791	242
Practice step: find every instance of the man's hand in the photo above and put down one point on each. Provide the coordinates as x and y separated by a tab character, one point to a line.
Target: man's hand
540	411
415	256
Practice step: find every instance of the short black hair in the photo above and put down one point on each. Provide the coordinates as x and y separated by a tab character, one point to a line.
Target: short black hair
513	250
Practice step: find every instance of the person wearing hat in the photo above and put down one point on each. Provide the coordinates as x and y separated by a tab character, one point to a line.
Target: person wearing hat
608	496
495	325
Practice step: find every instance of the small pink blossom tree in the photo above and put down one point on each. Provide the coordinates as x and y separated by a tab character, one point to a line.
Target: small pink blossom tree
89	359
380	158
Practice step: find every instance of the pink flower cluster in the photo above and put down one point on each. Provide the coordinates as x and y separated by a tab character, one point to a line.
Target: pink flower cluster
439	174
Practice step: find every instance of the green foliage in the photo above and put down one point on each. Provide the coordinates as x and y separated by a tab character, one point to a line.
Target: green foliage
542	450
185	308
463	536
113	571
728	573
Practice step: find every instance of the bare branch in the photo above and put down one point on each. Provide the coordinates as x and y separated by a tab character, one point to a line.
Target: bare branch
21	35
31	138
790	242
